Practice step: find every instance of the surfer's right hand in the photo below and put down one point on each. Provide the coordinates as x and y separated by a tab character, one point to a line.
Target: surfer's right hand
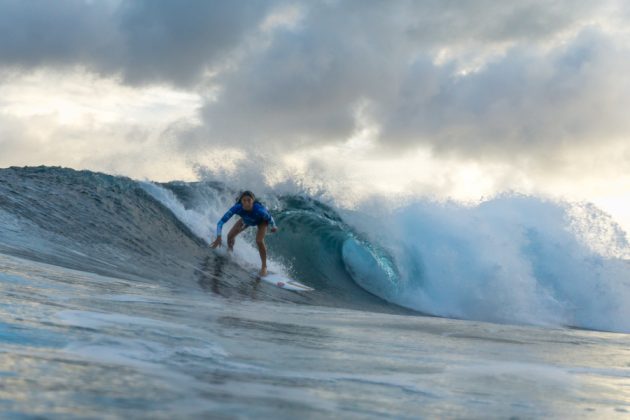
216	243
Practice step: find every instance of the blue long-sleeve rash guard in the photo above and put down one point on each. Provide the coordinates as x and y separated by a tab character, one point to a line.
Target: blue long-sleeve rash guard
256	216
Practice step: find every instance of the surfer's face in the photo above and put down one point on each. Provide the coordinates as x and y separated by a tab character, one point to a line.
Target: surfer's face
247	202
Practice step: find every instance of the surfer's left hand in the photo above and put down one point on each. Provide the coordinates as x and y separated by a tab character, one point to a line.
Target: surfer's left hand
274	229
216	243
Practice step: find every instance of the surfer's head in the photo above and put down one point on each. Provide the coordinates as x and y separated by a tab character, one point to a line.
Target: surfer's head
247	199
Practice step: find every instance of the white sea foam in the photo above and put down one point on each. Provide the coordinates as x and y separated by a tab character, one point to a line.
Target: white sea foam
512	259
202	222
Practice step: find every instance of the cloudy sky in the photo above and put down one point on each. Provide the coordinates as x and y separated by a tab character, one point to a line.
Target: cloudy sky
440	98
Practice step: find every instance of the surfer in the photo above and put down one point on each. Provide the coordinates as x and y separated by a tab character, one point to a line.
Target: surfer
252	213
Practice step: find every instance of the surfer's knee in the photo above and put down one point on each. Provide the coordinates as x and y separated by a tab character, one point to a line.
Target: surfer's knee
260	242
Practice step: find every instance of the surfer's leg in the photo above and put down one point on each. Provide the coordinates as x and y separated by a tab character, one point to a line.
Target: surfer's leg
236	229
262	248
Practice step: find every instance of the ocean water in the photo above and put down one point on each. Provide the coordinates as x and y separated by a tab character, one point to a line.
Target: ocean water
113	306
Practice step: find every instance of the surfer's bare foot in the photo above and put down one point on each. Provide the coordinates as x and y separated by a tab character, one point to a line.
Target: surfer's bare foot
263	272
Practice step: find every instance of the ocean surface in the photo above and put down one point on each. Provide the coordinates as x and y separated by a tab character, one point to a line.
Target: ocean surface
113	306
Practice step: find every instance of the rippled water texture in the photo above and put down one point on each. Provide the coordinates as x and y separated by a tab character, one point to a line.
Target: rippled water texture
114	307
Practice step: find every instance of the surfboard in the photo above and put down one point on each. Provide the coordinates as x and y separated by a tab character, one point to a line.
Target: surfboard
283	282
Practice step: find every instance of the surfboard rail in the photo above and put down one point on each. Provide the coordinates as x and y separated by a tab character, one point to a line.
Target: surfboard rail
283	282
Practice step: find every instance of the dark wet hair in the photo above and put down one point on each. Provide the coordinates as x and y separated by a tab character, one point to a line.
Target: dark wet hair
246	193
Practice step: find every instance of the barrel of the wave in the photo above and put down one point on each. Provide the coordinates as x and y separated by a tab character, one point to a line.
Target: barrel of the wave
370	268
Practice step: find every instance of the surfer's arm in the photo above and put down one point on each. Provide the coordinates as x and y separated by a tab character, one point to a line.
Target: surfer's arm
228	214
269	219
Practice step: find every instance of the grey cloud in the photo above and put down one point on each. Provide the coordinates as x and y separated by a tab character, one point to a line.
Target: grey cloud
173	41
35	33
176	40
461	21
306	86
302	85
145	41
526	102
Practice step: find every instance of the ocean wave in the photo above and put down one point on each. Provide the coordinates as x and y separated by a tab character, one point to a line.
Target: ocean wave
513	259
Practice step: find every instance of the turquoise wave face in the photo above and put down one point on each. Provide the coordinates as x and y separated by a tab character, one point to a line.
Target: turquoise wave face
371	269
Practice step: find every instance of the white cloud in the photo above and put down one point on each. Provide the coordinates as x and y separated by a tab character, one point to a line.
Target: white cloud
79	120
